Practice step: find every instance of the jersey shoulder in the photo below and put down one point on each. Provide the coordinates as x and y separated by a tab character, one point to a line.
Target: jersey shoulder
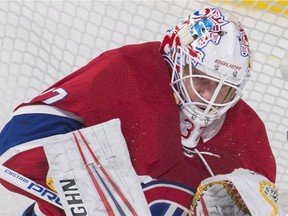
244	127
242	112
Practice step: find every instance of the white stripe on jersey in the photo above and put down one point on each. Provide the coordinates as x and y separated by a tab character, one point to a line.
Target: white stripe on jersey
45	109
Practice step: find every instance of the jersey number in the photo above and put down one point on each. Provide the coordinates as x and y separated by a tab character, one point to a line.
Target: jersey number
51	96
59	94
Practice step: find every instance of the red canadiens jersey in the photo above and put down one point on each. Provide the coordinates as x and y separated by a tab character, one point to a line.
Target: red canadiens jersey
132	83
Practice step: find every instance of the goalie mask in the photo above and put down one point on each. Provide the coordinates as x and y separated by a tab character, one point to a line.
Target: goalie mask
210	59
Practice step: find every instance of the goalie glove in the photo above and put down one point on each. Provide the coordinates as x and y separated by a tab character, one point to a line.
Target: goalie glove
241	192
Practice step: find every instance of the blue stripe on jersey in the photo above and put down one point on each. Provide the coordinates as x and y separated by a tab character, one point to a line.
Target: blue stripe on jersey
27	127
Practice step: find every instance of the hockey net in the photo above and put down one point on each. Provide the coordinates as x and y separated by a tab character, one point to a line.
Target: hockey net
42	41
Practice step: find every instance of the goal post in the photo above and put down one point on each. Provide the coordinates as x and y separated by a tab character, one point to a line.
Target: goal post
42	41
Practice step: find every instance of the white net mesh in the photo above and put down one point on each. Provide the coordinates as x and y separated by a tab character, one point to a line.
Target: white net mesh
42	41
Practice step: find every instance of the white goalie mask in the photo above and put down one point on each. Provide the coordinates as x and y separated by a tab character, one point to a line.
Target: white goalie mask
210	59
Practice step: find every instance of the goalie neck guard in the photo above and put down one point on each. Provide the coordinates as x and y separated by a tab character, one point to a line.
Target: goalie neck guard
209	54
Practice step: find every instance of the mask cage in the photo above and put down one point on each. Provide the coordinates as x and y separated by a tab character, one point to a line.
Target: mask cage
204	109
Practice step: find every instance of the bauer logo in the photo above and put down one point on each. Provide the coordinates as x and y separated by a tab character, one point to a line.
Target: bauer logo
73	197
